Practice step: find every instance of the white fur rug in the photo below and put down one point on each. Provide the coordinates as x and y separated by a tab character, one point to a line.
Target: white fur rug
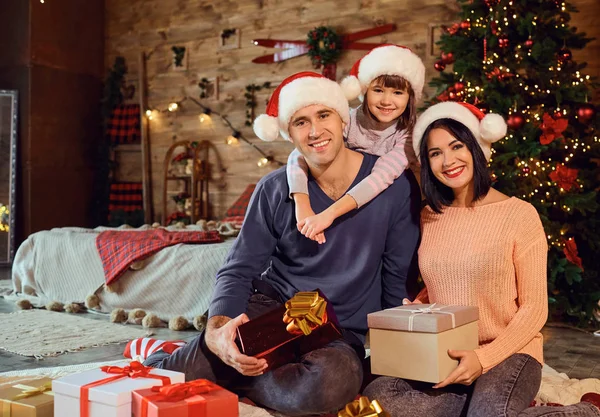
40	333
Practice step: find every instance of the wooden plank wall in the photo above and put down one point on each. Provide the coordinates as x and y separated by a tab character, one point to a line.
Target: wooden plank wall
154	26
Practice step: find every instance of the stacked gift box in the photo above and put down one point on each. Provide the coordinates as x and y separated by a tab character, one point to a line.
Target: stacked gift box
132	390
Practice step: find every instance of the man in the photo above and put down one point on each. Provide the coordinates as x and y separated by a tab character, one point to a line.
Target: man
363	267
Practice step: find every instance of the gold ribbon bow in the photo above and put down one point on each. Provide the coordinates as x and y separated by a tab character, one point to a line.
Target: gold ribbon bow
305	312
362	408
33	391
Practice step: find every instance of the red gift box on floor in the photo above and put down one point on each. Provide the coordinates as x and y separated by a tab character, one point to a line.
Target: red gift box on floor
200	398
279	342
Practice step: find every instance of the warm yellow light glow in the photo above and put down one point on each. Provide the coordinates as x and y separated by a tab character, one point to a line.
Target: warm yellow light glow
173	107
232	140
262	162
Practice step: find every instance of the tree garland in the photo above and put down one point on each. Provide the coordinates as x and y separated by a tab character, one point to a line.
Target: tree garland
324	46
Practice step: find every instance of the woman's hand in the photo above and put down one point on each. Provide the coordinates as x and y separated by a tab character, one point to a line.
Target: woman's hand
468	370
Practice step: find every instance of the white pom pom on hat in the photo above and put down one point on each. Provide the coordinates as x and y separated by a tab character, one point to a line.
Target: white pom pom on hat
492	127
266	127
486	128
295	92
385	60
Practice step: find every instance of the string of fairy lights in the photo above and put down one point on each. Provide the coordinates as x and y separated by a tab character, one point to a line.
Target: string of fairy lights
530	167
206	118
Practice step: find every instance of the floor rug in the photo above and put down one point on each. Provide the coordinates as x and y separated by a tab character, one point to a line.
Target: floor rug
40	333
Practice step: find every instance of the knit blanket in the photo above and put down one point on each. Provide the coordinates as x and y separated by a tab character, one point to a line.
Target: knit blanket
119	249
64	265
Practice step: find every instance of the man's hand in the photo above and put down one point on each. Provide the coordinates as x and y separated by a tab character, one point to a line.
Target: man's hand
406	301
220	339
314	226
468	370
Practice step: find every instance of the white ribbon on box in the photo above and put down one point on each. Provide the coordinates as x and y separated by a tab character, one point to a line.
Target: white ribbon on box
427	310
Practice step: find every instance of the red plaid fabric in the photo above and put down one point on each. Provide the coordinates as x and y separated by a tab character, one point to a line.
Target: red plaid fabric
119	249
124	124
126	196
241	205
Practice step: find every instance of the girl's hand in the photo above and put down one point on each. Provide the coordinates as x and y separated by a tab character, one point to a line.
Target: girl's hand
468	370
315	225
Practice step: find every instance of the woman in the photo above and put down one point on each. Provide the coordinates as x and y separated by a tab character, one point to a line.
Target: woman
482	248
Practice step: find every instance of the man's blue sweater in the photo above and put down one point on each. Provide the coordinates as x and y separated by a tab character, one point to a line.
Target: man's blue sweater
363	266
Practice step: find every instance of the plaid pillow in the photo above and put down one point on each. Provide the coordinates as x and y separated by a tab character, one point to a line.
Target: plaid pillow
238	209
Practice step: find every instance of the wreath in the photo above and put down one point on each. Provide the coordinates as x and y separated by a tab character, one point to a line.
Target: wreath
324	46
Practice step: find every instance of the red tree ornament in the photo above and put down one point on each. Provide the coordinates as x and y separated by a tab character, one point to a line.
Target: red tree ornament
515	121
447	58
565	177
443	96
439	66
459	86
491	3
494	28
465	24
586	112
503	41
571	252
452	29
564	55
528	43
552	128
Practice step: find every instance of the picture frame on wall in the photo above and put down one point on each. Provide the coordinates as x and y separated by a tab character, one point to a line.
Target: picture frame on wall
434	35
180	57
229	39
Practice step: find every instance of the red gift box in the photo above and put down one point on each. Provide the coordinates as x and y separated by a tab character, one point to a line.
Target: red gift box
200	398
267	336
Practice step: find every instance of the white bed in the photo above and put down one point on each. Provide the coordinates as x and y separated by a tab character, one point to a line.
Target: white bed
63	265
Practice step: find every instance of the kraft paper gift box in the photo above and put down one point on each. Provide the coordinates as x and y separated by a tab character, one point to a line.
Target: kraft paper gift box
267	336
199	398
412	342
32	398
106	398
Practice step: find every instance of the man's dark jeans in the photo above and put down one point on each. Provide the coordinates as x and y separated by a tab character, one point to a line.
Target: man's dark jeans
323	380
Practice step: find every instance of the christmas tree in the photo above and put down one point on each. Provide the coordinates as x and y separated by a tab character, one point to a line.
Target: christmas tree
513	57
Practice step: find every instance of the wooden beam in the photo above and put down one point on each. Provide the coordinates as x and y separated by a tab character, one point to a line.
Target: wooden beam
145	131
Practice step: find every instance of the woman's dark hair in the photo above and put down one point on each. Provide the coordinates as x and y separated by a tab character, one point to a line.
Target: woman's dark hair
437	194
409	117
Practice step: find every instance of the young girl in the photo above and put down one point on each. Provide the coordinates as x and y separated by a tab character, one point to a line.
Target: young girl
390	78
481	248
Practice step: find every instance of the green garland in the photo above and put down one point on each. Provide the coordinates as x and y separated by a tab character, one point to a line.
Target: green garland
324	46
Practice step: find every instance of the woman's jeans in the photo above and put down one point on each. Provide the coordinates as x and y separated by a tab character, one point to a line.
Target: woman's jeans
506	390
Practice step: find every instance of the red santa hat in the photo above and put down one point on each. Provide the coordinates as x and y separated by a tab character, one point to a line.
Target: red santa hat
487	128
295	92
385	60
